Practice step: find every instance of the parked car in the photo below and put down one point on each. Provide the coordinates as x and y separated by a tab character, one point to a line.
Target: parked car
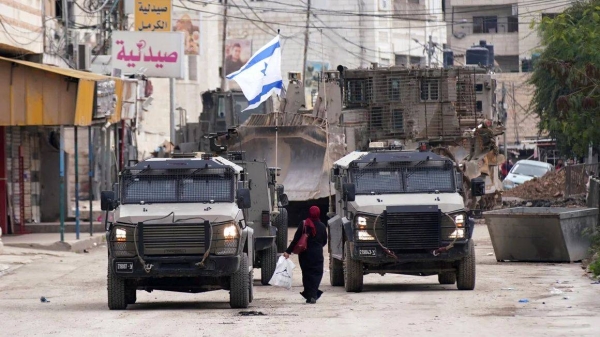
525	170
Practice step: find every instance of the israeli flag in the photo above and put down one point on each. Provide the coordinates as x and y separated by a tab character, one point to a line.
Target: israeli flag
260	77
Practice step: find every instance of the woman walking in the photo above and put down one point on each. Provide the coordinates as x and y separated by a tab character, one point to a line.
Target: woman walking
311	260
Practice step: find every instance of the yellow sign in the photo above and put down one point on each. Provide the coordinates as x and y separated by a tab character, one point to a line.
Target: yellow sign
153	15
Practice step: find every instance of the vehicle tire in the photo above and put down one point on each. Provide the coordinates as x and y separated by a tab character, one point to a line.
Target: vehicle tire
281	223
353	272
465	274
447	278
239	293
268	261
117	297
336	272
251	287
131	294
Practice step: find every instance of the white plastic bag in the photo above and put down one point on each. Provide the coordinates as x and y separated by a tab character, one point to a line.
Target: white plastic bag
283	273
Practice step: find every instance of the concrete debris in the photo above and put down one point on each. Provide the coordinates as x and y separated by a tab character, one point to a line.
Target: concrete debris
550	186
570	202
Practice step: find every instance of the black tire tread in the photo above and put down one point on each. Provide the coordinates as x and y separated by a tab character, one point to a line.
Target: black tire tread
268	262
281	223
353	272
336	272
465	275
117	299
239	294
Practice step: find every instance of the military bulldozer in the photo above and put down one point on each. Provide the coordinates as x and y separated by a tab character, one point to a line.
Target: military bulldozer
450	112
308	141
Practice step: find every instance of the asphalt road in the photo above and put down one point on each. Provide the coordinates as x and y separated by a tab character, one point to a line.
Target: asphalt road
392	305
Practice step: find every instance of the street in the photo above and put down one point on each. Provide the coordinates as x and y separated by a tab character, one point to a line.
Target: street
393	305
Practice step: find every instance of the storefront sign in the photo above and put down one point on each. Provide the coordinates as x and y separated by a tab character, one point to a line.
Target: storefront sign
160	53
153	15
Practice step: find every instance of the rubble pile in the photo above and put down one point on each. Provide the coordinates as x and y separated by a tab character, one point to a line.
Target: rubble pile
550	186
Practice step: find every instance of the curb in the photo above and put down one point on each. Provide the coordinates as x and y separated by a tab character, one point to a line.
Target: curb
76	247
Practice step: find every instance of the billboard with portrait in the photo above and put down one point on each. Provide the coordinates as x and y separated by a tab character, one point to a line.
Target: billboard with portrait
188	23
237	53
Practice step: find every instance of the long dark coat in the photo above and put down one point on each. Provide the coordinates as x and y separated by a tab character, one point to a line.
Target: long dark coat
311	260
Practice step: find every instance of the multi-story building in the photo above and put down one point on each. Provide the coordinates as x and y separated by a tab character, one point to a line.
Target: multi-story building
505	24
353	33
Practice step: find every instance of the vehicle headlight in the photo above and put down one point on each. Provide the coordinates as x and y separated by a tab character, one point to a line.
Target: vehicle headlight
121	235
230	232
361	222
225	239
363	235
455	228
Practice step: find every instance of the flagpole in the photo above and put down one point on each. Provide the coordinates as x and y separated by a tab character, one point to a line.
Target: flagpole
327	150
276	150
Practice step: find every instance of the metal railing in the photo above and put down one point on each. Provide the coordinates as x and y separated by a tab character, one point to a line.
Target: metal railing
576	177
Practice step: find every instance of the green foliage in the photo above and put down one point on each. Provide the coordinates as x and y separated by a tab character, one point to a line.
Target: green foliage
595	247
567	77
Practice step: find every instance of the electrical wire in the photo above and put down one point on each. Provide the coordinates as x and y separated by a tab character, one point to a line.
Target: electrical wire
93	11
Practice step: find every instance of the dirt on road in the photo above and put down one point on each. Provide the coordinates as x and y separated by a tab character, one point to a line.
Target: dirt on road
561	302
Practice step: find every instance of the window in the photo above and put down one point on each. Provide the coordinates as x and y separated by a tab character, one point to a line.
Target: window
356	91
513	24
478	87
394	89
550	16
400	59
376	117
430	90
479	107
398	120
415	60
485	24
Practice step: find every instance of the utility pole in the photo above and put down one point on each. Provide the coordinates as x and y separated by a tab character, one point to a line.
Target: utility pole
65	15
514	99
224	40
306	41
504	119
430	50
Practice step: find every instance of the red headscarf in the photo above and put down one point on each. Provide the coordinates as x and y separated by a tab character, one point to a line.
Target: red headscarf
314	214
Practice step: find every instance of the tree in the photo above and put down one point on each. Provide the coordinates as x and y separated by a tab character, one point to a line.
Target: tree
567	77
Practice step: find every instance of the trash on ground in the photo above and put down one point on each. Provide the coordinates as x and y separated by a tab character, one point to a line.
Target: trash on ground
251	313
490	254
508	288
555	291
523	300
566	298
44	300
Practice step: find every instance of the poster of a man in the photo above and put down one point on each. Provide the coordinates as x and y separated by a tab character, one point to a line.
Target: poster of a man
237	53
189	23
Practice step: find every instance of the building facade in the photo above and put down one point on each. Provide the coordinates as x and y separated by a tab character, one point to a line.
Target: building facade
505	24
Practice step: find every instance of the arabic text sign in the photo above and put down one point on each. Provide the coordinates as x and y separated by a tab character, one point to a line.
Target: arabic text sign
153	15
161	53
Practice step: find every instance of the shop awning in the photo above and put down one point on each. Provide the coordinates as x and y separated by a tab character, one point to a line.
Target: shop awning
39	94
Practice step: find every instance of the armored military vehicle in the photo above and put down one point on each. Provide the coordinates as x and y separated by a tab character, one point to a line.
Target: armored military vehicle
179	224
400	212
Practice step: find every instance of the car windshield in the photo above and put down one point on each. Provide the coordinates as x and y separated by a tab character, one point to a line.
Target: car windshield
177	186
529	170
403	179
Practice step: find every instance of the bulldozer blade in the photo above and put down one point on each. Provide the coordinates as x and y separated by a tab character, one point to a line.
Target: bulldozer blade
303	156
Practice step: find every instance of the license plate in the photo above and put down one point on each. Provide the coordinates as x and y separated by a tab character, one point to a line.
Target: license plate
124	267
367	252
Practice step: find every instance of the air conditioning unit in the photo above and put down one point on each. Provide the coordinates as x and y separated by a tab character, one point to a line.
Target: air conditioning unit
83	57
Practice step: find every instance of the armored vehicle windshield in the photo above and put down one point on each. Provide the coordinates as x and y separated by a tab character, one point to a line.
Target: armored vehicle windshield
395	175
178	185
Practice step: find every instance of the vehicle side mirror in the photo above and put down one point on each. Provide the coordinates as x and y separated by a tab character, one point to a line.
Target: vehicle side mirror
283	200
107	200
349	192
477	187
243	198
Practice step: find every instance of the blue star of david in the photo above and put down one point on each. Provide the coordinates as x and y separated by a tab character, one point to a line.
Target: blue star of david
264	71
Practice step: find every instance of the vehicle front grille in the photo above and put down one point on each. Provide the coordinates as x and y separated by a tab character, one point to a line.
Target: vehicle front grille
413	230
174	239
